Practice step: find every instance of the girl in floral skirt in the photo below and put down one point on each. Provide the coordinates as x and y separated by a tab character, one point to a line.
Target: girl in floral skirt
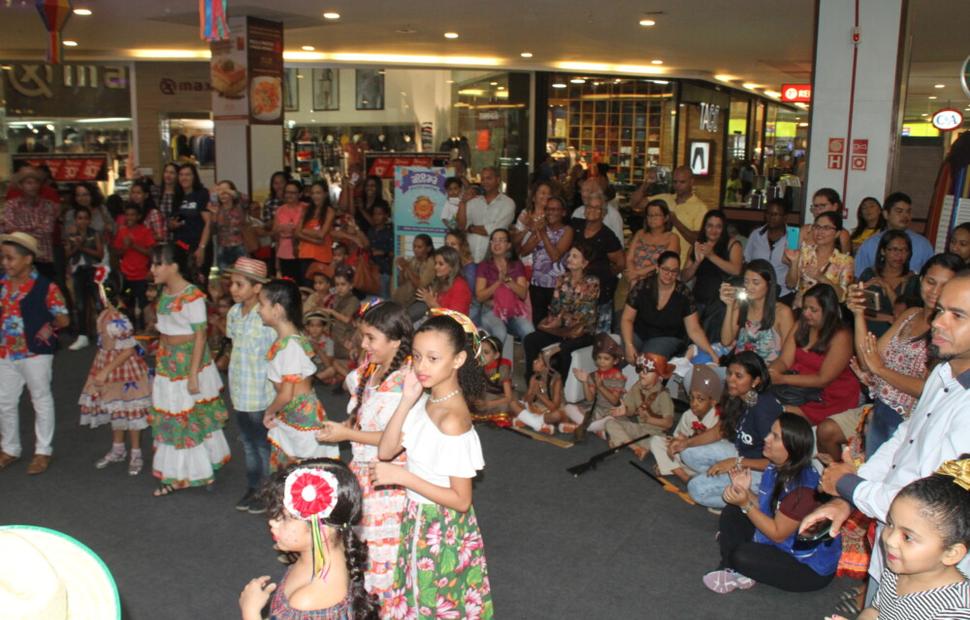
117	389
187	409
376	388
441	570
296	415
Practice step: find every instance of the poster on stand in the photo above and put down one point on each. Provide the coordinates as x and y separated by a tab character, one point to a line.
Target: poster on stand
264	42
229	78
419	200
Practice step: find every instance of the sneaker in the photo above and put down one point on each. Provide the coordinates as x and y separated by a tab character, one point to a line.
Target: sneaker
714	511
567	428
81	343
257	505
721	581
111	457
246	500
745	583
547	429
517	423
135	464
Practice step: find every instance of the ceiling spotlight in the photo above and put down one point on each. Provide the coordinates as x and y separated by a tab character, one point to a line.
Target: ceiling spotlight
69	43
724	77
500	88
450	81
660	82
558	85
931	97
526	54
750	85
82	12
451	35
924	114
493	83
656	61
308	48
577	81
939	86
646	23
331	15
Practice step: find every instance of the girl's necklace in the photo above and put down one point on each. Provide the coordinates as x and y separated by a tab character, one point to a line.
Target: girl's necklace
435	401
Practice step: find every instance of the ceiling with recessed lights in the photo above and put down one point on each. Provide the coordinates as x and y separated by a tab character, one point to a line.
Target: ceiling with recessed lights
747	43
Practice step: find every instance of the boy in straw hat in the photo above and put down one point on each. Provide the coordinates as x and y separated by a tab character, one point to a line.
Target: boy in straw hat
249	386
705	394
32	308
646	409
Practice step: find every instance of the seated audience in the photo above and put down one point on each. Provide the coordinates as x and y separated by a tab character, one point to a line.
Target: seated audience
607	259
893	286
960	242
541	407
648	244
827	200
603	389
647	408
755	321
704	414
414	273
448	289
498	396
898	210
548	242
501	288
870	221
770	242
819	260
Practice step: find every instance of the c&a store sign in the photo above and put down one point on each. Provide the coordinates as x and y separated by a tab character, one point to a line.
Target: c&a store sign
71	89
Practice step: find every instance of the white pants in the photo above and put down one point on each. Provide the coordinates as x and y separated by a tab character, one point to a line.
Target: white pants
34	372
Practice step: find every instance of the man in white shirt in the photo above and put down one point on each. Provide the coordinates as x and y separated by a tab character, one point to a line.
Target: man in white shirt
480	216
937	430
612	220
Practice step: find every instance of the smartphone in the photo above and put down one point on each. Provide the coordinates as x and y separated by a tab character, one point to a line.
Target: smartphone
741	294
793	233
873	301
818	532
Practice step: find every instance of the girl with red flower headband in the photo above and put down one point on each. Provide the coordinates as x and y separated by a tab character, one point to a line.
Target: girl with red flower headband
314	510
376	389
441	570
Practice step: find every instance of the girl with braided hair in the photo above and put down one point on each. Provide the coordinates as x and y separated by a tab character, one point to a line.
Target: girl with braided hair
314	507
441	570
376	388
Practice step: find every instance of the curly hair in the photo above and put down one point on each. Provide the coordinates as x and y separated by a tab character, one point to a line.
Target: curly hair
944	503
471	375
392	320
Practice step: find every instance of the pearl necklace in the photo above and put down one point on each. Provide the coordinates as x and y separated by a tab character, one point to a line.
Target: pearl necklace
435	401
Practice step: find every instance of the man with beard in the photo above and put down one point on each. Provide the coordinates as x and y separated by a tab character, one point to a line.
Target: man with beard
937	430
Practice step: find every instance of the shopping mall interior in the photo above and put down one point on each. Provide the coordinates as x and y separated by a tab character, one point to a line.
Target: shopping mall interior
760	99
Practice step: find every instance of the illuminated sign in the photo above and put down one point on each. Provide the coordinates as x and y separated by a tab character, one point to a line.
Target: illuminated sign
796	93
947	119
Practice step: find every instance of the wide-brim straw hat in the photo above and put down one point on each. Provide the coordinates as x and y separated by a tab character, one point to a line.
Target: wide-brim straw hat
24	240
250	268
28	172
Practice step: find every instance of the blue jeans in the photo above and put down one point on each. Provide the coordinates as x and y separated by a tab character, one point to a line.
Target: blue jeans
255	446
668	346
707	490
385	286
518	326
882	424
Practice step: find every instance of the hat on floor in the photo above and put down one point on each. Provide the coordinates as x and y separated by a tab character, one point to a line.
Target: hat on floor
24	240
706	381
250	268
48	575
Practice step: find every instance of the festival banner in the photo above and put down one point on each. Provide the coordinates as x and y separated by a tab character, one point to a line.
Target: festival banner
419	200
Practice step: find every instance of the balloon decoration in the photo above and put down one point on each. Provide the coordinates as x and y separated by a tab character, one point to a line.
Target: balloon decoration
54	14
213	20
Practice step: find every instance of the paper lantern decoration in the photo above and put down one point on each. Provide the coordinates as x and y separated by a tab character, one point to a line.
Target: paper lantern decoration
213	20
54	14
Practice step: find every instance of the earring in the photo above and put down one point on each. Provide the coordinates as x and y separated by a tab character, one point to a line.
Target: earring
750	398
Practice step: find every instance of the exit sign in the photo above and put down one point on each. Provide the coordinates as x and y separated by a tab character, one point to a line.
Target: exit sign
796	93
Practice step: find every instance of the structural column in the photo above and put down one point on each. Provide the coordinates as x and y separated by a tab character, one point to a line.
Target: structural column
861	55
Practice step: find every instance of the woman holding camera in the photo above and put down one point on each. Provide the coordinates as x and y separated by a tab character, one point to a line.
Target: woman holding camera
755	320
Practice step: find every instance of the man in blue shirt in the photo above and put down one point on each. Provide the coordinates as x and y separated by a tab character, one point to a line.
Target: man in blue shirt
898	209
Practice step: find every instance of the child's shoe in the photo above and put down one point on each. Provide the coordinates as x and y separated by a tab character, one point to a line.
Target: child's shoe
136	463
114	455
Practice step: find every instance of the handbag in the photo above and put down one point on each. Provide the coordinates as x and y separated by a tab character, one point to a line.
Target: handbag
367	277
795	395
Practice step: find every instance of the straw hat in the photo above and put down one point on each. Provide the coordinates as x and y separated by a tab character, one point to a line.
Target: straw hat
47	575
250	268
22	239
26	172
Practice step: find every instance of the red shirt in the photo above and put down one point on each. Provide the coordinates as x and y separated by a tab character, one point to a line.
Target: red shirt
134	264
458	297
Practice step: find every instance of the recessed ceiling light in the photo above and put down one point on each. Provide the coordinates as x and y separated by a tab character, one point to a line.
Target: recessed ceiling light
82	12
331	15
750	85
773	93
724	77
660	81
931	97
939	86
656	61
451	35
500	88
558	85
577	81
526	54
450	81
493	83
924	114
646	23
308	48
69	43
803	124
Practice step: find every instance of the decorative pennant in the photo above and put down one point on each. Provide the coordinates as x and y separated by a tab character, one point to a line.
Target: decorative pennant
213	20
54	14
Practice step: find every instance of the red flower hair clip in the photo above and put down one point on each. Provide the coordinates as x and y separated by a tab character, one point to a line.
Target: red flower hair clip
101	274
310	494
183	245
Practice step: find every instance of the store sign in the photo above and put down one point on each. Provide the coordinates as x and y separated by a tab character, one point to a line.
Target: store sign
383	165
71	89
710	117
948	119
169	86
69	168
796	93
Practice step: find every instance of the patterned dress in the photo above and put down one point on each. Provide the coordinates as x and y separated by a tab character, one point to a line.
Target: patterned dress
441	570
384	506
293	438
126	397
187	428
646	253
280	609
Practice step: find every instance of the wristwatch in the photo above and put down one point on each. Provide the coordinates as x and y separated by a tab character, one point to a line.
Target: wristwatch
747	507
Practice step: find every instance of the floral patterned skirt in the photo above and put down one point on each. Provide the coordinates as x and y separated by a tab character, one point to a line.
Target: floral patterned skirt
293	438
441	570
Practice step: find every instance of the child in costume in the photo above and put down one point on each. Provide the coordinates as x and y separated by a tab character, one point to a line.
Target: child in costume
322	297
498	397
375	393
249	386
315	330
604	387
703	415
647	408
542	403
117	389
187	409
295	415
441	568
926	536
314	509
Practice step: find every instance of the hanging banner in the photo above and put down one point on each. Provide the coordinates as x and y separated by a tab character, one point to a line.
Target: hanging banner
419	201
68	168
230	96
247	73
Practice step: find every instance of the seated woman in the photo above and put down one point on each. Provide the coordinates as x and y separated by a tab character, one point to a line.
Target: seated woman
894	285
501	288
960	242
757	531
648	244
714	258
547	242
827	200
755	321
448	289
738	441
660	315
820	261
812	376
414	273
870	221
894	366
572	314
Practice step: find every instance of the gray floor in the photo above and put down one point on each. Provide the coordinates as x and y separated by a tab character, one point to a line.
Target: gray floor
610	544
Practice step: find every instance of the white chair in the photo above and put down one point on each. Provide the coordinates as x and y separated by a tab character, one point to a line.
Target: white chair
573	390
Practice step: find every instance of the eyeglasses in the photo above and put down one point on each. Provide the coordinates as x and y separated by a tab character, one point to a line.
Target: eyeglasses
823	228
670	270
820	205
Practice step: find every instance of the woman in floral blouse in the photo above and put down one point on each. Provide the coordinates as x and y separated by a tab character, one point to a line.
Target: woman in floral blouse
572	314
820	261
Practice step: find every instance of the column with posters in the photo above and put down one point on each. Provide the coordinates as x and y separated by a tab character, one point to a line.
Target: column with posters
419	200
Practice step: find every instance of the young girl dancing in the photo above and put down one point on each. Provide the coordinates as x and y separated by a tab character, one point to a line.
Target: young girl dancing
375	389
313	508
187	410
926	535
441	569
295	415
117	389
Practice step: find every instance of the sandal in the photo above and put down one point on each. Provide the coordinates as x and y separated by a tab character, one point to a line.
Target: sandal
163	490
848	608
